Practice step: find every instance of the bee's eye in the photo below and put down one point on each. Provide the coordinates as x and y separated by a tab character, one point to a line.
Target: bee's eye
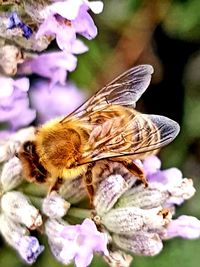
28	146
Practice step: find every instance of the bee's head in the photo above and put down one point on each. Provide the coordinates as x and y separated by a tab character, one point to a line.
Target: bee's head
29	147
33	171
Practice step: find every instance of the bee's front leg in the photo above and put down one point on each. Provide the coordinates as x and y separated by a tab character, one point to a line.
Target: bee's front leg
55	184
88	180
135	170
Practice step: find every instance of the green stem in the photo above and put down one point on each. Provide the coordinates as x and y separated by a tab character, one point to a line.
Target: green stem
79	213
34	190
36	201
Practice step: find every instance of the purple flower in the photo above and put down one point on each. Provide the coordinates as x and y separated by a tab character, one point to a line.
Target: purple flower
60	100
170	180
16	236
15	22
81	241
75	242
152	165
14	103
64	19
184	226
56	64
29	248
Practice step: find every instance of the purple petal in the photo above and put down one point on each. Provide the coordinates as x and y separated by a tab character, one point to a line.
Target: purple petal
56	26
55	68
151	164
89	226
95	6
61	99
6	89
23	118
81	241
84	25
166	177
68	9
185	226
29	248
78	47
22	84
50	26
13	21
84	258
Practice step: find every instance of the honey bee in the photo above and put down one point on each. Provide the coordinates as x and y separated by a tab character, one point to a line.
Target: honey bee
105	128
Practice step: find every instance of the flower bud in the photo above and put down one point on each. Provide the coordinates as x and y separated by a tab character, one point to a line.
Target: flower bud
7	150
11	174
146	198
108	193
130	220
182	191
73	190
55	206
11	145
142	243
118	258
17	207
15	234
11	230
29	248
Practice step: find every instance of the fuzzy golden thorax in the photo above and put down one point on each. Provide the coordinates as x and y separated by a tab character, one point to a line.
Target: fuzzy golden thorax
59	146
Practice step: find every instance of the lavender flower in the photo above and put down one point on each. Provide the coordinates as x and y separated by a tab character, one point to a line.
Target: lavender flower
17	237
56	64
18	215
15	22
64	19
54	206
59	98
184	226
76	242
29	248
18	208
139	218
14	103
131	217
170	179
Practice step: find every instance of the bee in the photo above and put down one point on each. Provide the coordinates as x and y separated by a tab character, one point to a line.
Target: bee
105	128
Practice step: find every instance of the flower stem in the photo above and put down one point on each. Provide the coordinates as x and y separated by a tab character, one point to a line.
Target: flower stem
79	213
36	201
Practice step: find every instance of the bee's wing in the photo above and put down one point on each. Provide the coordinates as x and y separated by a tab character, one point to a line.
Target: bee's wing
125	90
140	136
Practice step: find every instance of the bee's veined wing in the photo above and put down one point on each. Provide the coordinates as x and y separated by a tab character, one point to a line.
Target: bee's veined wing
141	136
125	90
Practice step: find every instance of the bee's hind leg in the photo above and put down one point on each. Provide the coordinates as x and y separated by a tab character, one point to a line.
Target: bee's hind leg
136	171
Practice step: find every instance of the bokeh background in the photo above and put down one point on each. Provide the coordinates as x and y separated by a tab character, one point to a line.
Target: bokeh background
165	34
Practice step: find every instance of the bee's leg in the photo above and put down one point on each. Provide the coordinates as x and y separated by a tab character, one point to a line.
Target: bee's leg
55	184
136	171
89	184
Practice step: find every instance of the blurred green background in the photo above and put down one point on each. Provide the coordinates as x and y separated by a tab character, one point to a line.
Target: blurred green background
165	34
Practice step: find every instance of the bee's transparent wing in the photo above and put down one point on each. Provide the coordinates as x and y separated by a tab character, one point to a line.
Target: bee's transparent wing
140	137
125	90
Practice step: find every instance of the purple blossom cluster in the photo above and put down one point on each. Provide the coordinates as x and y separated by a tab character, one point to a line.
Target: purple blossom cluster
60	20
15	108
